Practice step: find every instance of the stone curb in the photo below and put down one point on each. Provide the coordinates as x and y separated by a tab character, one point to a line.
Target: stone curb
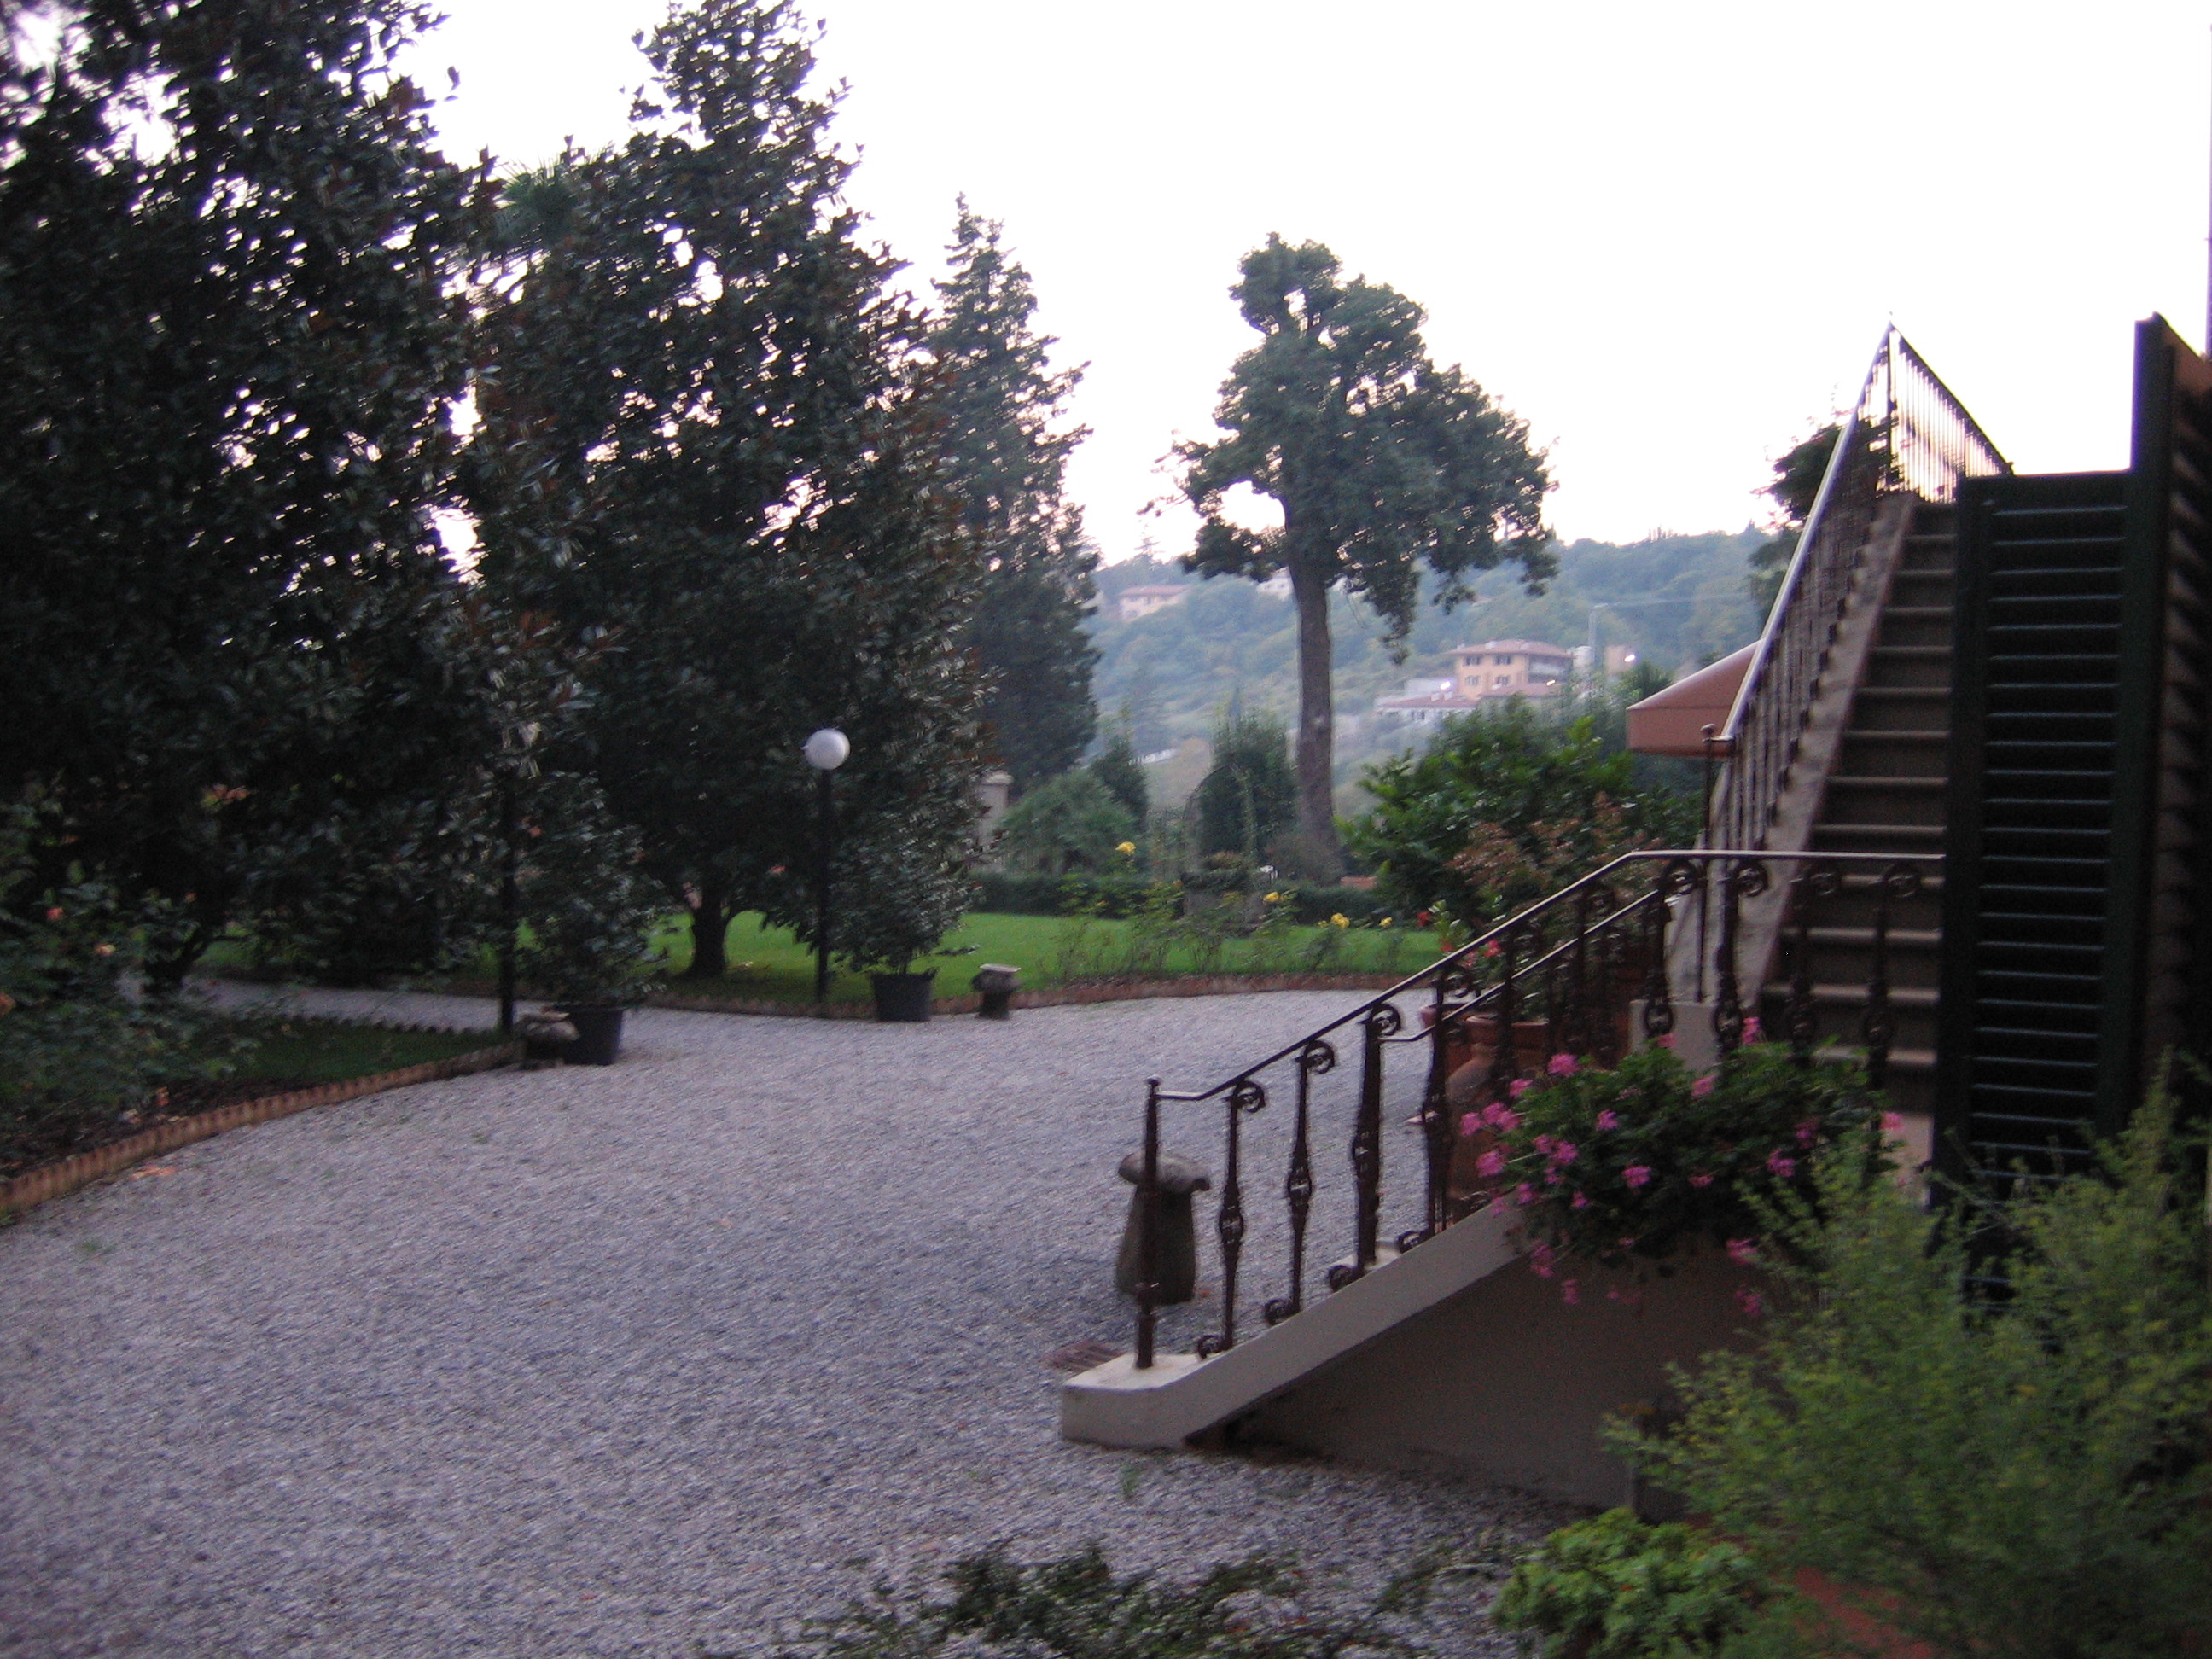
1135	990
54	1180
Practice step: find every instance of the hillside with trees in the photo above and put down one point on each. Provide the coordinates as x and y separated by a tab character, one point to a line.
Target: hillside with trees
1677	601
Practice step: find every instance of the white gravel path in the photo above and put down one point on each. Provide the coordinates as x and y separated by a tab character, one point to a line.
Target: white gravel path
620	1361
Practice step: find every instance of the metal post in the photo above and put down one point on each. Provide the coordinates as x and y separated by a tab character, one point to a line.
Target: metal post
1148	1230
827	818
510	906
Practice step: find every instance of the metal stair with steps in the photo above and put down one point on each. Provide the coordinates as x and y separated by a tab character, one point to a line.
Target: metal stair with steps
1887	794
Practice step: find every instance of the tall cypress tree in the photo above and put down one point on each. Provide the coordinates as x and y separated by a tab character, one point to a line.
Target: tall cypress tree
1007	463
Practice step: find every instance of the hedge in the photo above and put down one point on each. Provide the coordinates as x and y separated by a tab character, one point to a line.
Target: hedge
1120	896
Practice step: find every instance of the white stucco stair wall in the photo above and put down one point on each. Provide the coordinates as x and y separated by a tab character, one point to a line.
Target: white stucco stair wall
1181	1396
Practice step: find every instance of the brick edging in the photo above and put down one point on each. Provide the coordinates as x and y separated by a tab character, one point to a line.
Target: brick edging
53	1180
1139	990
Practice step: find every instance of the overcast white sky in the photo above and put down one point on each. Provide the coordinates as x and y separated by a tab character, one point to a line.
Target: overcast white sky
1668	236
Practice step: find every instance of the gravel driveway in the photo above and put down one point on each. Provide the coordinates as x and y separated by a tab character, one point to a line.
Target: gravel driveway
620	1361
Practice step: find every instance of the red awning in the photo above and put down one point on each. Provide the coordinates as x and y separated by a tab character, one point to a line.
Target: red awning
1674	722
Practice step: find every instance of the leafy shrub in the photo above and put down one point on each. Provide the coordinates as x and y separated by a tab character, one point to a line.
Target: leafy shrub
77	1049
1074	822
1503	808
1631	1590
1311	902
588	909
2026	1477
1076	1607
1250	798
1638	1161
1006	894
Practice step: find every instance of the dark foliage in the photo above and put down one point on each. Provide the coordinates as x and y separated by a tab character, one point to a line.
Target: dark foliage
1384	465
1796	487
1248	801
1118	770
229	341
1504	807
706	431
999	400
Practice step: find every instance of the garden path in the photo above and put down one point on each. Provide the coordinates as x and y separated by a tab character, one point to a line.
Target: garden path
620	1361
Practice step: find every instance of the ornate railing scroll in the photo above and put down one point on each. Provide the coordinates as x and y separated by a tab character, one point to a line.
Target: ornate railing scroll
1560	977
1907	435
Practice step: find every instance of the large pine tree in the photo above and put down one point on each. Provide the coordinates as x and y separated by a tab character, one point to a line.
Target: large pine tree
1007	459
1385	463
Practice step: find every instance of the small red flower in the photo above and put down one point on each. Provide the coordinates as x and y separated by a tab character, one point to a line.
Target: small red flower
1637	1174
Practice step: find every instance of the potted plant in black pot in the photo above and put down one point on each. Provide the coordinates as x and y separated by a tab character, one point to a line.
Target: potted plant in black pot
588	911
895	901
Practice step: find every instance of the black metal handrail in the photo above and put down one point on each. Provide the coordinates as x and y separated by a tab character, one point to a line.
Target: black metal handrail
1907	435
1577	955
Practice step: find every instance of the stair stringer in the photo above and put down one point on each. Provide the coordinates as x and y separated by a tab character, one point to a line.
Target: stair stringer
1805	786
1181	1395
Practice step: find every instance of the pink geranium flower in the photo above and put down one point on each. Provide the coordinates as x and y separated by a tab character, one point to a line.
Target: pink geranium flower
1744	1252
1490	1163
1539	1258
1563	1065
1705	1086
1747	1299
1808	1132
1521	1087
1665	1040
1893	1123
1608	1119
1701	1179
1752	1030
1571	1292
1498	1115
1470	1124
1782	1166
1563	1153
1582	1201
1635	1174
1524	1194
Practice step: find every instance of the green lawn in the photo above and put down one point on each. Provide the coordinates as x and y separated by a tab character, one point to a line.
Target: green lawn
769	964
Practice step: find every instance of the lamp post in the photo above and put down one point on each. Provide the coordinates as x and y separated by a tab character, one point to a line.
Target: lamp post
826	750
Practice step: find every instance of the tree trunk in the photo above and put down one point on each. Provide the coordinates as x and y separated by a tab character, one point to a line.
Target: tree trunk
710	931
1316	756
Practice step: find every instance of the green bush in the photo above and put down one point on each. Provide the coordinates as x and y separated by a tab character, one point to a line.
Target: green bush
1631	1590
1249	801
1072	823
76	1048
1076	1608
2027	1475
1503	808
1009	894
1360	906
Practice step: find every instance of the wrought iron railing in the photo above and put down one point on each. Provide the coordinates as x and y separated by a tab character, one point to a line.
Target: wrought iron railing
1561	976
1907	435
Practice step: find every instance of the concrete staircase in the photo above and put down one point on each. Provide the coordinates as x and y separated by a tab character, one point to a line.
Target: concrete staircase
1886	793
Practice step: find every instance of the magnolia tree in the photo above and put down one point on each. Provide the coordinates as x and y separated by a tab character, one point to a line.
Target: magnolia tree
231	337
709	431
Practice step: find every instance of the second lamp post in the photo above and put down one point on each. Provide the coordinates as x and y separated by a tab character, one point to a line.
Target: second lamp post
826	750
